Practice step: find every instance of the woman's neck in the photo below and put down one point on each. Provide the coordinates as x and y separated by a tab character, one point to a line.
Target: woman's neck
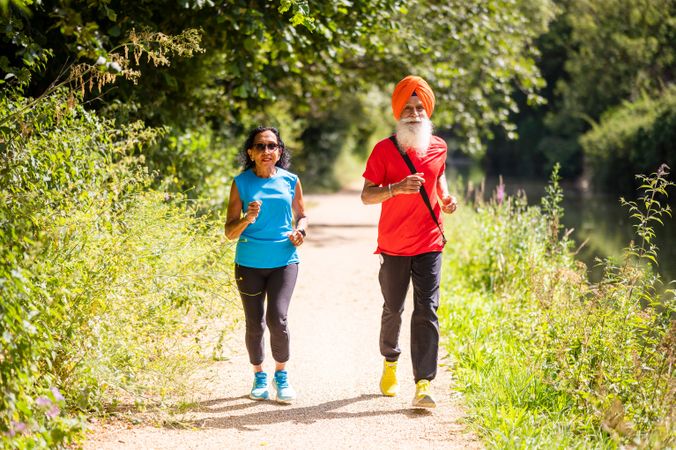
264	172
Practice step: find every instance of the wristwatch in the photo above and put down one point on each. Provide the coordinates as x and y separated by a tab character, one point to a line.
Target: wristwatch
302	231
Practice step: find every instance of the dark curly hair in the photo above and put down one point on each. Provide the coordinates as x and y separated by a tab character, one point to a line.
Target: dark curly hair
247	162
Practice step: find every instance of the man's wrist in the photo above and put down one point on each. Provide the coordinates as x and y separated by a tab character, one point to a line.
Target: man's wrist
302	231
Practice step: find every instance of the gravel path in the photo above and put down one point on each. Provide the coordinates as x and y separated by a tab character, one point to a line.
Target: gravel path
335	363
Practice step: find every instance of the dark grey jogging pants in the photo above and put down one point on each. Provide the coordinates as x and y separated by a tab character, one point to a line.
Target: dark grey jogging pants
425	272
278	284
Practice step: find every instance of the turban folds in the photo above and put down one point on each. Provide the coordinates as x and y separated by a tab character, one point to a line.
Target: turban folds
405	88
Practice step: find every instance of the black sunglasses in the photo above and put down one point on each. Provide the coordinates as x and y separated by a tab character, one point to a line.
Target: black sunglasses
261	147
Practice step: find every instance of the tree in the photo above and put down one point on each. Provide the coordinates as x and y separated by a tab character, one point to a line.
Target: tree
260	51
605	62
619	50
618	91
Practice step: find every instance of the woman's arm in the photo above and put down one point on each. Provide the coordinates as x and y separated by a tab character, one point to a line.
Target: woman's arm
235	223
298	205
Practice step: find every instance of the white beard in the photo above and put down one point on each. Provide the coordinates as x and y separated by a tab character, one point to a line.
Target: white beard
415	134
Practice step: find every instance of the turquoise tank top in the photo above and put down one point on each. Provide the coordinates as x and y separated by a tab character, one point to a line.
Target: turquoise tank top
265	244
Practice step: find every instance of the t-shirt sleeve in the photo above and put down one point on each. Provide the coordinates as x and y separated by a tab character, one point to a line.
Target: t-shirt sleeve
375	166
443	164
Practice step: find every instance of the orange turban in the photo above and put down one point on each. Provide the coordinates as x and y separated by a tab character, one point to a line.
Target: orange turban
405	88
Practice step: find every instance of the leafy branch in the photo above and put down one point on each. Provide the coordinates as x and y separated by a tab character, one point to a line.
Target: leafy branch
84	77
551	203
648	211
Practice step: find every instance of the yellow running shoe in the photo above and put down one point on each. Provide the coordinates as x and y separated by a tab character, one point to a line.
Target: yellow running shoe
423	397
389	385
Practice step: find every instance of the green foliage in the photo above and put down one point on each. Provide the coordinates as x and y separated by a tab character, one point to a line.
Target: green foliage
309	55
545	358
344	128
91	78
648	212
609	67
551	204
475	53
635	136
197	162
149	285
105	285
618	72
513	242
619	49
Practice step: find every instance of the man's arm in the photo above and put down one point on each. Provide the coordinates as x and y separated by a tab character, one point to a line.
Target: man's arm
442	185
372	194
448	203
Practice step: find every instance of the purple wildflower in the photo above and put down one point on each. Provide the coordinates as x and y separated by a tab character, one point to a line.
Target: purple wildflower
43	402
16	428
53	412
57	394
500	192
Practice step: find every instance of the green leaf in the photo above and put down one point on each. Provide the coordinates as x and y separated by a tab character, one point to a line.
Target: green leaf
114	31
112	15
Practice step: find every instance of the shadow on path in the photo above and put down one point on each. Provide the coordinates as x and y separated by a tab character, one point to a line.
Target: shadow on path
304	415
208	406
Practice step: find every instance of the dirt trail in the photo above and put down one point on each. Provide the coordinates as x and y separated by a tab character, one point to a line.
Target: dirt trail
335	363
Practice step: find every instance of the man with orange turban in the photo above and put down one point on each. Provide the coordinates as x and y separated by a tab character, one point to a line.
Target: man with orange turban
406	174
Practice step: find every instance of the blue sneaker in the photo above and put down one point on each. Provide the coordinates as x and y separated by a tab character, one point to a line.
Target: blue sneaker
259	390
285	393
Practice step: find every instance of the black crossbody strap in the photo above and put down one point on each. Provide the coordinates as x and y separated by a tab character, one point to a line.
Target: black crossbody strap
423	192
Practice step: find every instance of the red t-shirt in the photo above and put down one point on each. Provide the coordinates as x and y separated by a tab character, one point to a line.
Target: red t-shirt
406	227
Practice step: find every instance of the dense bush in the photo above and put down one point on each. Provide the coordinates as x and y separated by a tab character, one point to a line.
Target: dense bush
106	286
197	162
634	137
545	358
595	57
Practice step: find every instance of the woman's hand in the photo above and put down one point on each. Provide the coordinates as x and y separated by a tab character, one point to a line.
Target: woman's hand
448	204
235	223
252	211
296	237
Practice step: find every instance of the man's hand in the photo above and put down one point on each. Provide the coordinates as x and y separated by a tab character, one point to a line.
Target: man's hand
448	204
409	185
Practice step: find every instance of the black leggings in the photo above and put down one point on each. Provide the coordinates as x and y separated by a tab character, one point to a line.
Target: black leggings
278	284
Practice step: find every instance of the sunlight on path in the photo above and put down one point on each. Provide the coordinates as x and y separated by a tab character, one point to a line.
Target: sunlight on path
335	363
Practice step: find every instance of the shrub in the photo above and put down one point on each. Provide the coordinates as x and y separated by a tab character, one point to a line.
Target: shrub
107	286
636	136
546	358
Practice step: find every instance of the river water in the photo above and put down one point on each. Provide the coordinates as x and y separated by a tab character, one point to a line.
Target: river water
598	220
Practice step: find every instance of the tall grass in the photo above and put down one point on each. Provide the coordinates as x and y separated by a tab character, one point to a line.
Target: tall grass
109	290
545	358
